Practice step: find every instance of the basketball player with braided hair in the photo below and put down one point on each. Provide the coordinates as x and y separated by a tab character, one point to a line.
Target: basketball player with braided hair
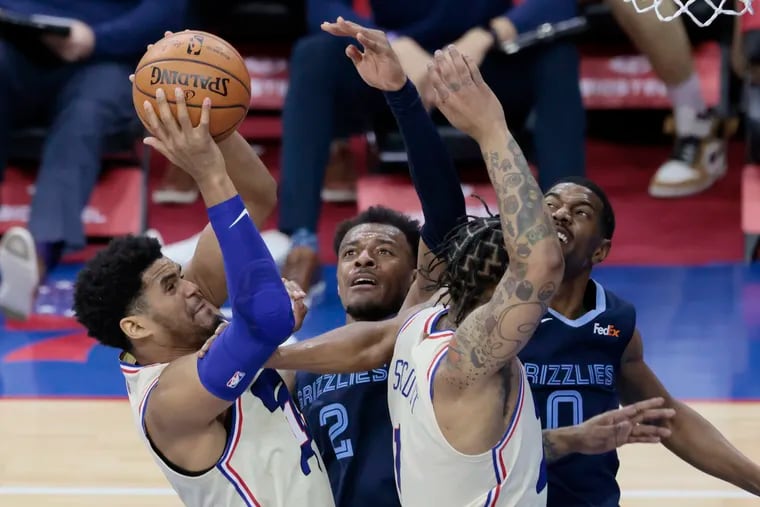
460	404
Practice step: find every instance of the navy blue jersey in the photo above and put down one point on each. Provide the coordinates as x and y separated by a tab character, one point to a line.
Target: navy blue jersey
348	418
572	366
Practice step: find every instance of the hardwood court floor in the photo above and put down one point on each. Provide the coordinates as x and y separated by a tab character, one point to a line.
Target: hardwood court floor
87	454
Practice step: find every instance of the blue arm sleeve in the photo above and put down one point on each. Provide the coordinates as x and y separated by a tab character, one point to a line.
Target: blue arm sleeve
318	11
262	315
128	35
431	166
239	241
531	13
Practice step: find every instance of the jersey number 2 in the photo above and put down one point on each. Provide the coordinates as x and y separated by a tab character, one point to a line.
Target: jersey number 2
571	400
337	413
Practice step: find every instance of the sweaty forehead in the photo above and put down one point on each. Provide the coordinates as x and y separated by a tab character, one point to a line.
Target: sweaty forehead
572	193
366	233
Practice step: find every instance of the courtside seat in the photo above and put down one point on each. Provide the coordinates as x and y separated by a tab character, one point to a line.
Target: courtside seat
119	204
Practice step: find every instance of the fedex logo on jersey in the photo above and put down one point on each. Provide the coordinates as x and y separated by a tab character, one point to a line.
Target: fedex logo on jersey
606	331
235	379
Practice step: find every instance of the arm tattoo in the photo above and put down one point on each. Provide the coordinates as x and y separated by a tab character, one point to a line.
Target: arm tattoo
551	453
492	335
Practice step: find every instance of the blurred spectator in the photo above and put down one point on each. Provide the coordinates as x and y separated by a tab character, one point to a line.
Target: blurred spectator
699	153
326	98
78	86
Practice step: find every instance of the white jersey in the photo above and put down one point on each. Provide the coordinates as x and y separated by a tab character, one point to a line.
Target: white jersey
429	471
269	459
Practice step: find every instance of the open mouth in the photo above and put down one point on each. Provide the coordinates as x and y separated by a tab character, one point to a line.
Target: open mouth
363	281
563	235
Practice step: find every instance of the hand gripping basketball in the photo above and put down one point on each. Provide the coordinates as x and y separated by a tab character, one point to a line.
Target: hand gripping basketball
203	66
188	147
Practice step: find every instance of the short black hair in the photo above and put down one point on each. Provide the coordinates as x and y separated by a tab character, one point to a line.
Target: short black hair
476	259
607	219
381	215
110	285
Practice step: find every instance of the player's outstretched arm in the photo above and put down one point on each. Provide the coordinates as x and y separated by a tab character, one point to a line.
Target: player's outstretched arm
355	347
492	335
693	438
430	165
640	422
191	393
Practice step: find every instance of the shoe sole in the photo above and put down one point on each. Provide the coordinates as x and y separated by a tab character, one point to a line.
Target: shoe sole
18	266
671	192
686	190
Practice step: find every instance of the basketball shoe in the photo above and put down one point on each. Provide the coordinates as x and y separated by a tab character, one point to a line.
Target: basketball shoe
698	159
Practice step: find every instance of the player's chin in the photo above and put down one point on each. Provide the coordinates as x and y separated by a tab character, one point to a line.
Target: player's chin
207	318
567	248
367	309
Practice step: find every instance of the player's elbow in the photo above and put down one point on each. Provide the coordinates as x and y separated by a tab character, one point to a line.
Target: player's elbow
268	198
263	203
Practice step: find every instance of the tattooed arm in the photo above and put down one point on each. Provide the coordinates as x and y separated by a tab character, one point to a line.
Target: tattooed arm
491	336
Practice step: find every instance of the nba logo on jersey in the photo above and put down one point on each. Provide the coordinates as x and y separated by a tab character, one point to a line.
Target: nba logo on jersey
607	330
235	379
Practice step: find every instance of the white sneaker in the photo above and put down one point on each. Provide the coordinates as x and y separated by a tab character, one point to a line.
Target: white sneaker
698	159
20	273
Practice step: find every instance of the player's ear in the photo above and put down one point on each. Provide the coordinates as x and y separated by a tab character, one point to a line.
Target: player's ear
135	327
602	251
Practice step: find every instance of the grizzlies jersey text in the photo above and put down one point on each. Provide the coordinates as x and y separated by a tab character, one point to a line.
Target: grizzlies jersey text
572	367
348	418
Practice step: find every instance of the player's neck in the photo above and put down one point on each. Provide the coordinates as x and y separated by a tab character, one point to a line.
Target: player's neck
568	300
159	355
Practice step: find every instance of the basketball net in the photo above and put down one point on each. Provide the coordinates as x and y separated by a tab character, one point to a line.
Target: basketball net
718	7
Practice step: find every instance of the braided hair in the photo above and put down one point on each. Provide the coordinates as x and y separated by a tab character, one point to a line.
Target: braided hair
476	260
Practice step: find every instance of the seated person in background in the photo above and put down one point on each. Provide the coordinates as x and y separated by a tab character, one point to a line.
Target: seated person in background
78	86
326	99
699	154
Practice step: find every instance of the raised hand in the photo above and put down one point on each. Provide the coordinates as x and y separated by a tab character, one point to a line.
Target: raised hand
190	148
378	64
462	95
636	423
212	339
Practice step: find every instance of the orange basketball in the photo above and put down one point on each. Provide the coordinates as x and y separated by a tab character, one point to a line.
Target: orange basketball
203	65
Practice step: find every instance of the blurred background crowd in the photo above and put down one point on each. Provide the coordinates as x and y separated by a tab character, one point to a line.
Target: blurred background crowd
662	115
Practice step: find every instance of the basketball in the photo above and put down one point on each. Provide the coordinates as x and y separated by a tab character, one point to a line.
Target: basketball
203	65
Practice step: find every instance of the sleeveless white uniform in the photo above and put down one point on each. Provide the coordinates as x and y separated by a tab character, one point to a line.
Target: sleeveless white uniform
268	448
429	471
